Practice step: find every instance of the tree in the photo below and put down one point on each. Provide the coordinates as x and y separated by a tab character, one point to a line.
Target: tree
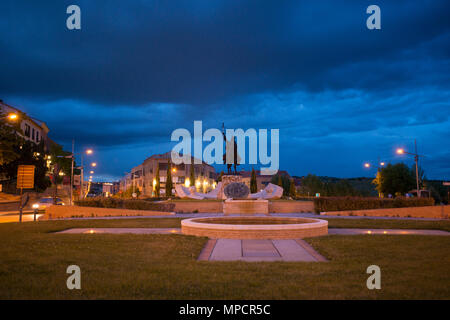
9	139
282	181
343	188
58	156
292	191
29	154
220	176
169	184
394	179
202	179
157	184
192	176
311	185
279	181
253	183
129	193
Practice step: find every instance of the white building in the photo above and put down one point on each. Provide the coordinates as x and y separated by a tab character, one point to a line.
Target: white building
32	129
143	176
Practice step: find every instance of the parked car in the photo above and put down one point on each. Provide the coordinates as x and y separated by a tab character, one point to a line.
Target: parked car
47	202
91	195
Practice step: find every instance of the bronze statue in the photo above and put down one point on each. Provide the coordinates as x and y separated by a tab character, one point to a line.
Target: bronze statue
230	146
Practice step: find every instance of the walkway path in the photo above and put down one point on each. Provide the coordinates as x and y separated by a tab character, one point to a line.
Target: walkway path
259	250
124	230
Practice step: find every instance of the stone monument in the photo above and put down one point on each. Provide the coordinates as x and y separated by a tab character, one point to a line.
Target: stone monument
236	190
237	201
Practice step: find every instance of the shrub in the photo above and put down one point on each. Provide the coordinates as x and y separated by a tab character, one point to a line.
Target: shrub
355	203
125	204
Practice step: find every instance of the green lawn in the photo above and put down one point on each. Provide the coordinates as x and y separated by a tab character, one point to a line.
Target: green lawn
33	262
388	223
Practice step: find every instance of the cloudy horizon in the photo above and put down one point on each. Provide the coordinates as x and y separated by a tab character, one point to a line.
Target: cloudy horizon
340	94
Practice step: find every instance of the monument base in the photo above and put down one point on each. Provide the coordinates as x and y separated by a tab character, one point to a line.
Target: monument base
226	180
245	207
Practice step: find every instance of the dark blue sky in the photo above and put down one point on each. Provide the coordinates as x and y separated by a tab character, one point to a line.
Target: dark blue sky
339	93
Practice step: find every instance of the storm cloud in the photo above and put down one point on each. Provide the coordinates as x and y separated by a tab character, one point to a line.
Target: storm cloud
339	93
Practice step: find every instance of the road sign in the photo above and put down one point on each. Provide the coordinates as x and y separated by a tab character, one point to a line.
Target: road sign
76	180
25	177
446	183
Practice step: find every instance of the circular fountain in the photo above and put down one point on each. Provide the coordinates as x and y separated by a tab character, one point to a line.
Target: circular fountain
254	227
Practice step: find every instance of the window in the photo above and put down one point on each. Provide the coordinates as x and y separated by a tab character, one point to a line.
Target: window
32	134
162	166
37	136
27	130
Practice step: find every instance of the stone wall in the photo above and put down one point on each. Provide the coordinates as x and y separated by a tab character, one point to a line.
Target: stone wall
201	206
297	230
291	206
58	212
437	212
246	207
205	206
264	234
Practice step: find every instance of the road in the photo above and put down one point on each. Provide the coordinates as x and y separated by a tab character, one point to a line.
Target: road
13	216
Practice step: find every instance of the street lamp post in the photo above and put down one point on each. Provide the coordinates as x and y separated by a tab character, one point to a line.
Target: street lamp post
71	174
72	156
416	160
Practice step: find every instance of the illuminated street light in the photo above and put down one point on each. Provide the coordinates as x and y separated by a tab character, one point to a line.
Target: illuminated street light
13	116
382	164
416	160
91	172
174	170
93	164
89	151
367	165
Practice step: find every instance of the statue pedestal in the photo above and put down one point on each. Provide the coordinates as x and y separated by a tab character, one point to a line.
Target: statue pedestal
245	207
226	180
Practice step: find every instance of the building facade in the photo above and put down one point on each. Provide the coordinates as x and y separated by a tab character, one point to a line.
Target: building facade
32	129
143	176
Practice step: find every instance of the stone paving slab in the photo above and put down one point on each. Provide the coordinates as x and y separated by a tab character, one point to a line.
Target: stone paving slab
227	250
311	250
291	251
259	248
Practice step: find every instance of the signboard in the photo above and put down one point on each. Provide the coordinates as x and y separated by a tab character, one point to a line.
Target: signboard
76	180
446	183
25	177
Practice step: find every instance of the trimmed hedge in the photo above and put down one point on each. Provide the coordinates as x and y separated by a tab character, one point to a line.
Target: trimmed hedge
125	204
355	203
